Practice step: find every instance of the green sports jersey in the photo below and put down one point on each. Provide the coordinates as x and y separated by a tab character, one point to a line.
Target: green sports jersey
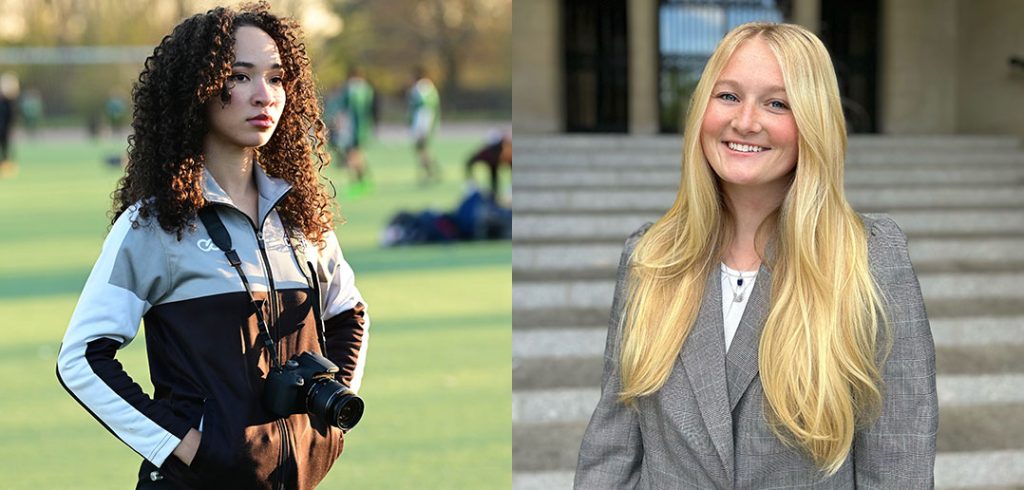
357	101
424	108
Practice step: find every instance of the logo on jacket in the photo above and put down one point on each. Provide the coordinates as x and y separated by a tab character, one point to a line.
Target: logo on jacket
206	245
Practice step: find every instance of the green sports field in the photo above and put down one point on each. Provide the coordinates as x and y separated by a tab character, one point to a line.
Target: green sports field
437	384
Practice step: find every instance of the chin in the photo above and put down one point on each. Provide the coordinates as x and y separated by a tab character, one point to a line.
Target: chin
742	179
256	142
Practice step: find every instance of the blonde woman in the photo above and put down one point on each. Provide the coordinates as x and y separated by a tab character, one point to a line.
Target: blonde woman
763	334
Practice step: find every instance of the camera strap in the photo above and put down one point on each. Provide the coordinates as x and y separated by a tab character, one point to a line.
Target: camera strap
313	279
222	239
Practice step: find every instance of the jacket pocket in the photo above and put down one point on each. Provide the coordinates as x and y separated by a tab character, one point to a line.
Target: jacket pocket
214	455
320	443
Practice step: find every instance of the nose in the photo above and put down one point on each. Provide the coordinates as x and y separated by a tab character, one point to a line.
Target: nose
745	120
263	94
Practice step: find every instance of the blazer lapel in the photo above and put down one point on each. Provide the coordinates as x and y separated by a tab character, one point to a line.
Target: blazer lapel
741	361
703	358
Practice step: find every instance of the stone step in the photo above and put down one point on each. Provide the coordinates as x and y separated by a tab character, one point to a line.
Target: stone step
555	447
964	142
934	287
574	405
582	228
989	470
539	318
977	413
605	255
674	143
667	179
921	267
542	480
600	260
967	266
570	257
862	199
585	372
580	342
596	158
558	358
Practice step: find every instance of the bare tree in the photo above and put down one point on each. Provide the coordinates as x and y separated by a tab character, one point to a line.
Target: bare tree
437	33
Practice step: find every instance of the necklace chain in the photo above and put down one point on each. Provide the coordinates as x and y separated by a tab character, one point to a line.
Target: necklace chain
738	289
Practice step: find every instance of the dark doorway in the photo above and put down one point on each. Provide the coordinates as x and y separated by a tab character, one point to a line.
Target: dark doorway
596	66
850	31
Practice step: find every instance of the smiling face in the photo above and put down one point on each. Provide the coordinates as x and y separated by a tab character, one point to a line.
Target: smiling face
749	135
257	96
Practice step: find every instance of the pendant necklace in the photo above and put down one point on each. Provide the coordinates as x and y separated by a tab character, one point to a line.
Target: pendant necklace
739	288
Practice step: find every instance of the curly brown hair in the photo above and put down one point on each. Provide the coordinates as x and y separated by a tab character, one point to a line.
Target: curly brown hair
165	151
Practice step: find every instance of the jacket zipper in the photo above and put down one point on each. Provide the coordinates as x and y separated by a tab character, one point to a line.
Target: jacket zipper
285	434
286	442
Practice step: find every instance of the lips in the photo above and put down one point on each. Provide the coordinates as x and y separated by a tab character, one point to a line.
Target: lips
261	121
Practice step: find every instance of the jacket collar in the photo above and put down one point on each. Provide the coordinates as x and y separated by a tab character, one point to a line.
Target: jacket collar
719	379
270	189
703	356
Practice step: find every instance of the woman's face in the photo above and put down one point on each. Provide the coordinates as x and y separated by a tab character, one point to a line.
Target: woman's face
256	87
749	135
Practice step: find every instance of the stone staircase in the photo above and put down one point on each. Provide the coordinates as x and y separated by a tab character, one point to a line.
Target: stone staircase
960	199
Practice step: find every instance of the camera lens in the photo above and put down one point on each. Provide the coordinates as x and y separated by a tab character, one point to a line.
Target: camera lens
347	410
333	402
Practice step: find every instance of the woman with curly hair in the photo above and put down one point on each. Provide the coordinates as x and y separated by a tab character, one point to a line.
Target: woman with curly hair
763	333
222	244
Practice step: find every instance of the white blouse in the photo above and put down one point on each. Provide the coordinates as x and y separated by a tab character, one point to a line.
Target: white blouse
734	298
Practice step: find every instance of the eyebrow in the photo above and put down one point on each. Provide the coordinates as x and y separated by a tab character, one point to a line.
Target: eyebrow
771	89
246	64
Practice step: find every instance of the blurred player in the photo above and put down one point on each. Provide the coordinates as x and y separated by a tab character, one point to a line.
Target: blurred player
424	116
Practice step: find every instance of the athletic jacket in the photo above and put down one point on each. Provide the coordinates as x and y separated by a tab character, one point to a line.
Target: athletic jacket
207	367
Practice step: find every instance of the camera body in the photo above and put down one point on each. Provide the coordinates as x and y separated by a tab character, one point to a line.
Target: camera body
307	384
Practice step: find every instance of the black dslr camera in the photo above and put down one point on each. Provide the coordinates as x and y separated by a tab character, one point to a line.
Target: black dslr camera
306	384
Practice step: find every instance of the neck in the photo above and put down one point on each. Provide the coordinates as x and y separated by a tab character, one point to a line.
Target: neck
750	207
231	166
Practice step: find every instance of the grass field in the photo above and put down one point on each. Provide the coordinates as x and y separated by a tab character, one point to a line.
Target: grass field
437	383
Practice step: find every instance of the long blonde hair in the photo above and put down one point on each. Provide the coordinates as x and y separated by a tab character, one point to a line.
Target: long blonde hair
818	347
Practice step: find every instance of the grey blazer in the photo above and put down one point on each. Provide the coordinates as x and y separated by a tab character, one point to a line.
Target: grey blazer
706	429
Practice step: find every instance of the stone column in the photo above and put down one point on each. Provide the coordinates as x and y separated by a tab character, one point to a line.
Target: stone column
918	76
990	92
537	102
807	13
642	17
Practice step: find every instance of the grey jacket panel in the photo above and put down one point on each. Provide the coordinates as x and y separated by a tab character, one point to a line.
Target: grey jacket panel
706	429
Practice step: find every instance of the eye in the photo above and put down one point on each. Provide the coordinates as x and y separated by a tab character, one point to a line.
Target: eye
778	104
728	97
238	77
276	80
